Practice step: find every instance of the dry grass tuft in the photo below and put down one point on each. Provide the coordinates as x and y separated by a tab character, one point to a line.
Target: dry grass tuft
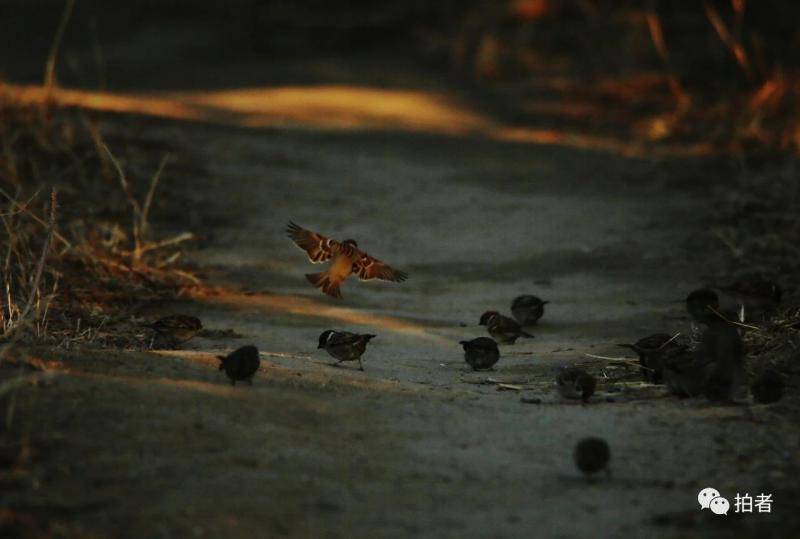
775	344
76	275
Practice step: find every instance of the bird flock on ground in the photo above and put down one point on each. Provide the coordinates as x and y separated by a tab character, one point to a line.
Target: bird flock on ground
708	361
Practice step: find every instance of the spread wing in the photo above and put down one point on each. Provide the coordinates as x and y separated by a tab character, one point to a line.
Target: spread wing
318	247
367	267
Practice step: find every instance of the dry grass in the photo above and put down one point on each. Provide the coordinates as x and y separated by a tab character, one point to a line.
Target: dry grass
758	228
775	344
76	275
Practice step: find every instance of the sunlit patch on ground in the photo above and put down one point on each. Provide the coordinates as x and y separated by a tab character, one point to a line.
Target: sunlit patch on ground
320	309
334	107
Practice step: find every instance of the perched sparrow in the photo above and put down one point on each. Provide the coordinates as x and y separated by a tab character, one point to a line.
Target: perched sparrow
722	351
345	259
768	387
592	455
651	351
700	302
758	295
481	353
574	383
527	309
684	374
714	367
344	346
176	329
241	364
502	328
703	306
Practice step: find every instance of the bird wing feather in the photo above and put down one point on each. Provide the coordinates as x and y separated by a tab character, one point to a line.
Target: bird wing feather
368	267
318	247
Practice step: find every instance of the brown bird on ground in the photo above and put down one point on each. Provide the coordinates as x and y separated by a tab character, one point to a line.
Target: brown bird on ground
703	306
176	329
768	387
714	367
527	309
684	373
592	455
575	383
502	328
651	351
345	259
722	350
241	364
344	346
481	353
700	302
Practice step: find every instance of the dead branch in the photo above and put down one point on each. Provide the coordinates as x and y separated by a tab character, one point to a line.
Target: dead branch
657	36
733	43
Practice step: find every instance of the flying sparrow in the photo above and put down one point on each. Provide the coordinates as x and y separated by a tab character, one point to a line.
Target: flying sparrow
481	353
345	259
527	309
768	387
592	455
241	364
503	329
344	346
176	329
575	383
651	351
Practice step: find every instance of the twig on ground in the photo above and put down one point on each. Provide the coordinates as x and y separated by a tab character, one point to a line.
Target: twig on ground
735	323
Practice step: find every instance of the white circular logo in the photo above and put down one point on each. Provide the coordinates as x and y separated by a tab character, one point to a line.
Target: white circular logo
705	496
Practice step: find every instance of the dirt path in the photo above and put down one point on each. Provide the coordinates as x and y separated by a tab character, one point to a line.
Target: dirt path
157	445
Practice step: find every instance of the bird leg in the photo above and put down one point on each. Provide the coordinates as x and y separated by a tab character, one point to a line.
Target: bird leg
360	366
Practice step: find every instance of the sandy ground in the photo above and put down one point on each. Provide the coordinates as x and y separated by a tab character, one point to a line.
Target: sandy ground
159	445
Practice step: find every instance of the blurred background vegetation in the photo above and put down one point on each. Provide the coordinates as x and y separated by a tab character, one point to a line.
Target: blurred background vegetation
718	71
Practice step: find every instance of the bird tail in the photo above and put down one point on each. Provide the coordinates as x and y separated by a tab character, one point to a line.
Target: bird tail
526	335
324	282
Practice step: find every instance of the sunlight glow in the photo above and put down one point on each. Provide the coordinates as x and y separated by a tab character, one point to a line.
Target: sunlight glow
338	107
321	309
